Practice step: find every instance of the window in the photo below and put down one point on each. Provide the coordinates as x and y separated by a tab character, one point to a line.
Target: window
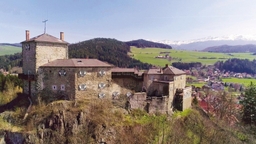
115	94
27	47
101	95
82	87
54	87
62	72
102	73
129	94
82	73
62	87
101	85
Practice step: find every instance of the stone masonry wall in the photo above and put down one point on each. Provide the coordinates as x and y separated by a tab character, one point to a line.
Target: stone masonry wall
138	101
92	79
158	104
129	83
36	55
47	52
28	58
50	81
171	97
187	98
148	82
179	82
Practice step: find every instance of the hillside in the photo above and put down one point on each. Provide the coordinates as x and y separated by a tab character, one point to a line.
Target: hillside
7	49
149	55
101	121
110	50
231	49
8	61
143	43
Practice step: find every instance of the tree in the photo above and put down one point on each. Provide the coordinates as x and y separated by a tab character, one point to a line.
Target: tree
249	105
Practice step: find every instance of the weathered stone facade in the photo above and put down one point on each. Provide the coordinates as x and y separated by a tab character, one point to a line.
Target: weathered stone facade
46	68
47	52
36	52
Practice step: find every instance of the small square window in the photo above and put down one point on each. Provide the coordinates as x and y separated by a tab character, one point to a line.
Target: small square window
62	87
54	87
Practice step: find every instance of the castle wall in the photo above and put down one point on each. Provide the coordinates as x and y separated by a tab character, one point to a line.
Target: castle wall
28	58
157	104
148	82
171	97
187	98
129	83
47	52
138	101
36	55
180	81
91	80
50	81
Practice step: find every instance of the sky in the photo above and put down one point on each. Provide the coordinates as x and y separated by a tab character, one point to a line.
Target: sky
126	20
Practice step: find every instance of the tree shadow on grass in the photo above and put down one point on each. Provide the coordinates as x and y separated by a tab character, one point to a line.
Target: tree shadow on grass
20	101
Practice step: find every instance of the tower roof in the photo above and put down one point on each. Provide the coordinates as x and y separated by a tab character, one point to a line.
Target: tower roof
46	38
173	70
77	63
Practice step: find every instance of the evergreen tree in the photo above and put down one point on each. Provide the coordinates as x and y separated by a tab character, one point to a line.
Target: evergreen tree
249	105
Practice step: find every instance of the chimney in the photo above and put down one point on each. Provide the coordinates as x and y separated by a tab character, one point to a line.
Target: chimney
27	35
166	65
62	36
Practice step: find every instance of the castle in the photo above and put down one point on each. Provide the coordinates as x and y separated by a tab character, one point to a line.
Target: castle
47	68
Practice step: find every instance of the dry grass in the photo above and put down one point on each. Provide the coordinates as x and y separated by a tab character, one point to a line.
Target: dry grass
115	125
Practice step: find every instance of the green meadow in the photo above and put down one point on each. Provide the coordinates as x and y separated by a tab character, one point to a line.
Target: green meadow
242	81
148	55
8	50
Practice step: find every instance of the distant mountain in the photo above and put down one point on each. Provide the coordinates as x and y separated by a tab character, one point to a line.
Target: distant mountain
11	44
200	44
231	49
105	49
140	43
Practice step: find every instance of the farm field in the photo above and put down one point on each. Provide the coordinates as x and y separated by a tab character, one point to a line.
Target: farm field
243	81
148	55
7	50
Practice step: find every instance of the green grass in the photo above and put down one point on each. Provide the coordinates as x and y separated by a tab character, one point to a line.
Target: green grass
243	81
8	50
148	55
199	84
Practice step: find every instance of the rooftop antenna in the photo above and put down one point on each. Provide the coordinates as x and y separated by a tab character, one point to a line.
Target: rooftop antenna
45	25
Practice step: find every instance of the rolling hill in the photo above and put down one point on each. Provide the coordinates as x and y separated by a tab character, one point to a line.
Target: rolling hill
110	50
231	49
6	49
141	43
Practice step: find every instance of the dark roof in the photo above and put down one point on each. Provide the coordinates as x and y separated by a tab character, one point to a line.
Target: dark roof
117	69
127	70
77	63
173	70
155	71
46	38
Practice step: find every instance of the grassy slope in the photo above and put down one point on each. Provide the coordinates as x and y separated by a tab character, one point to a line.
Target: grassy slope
7	50
148	54
190	126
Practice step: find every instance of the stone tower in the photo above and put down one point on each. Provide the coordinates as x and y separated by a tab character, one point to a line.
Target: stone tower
36	52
